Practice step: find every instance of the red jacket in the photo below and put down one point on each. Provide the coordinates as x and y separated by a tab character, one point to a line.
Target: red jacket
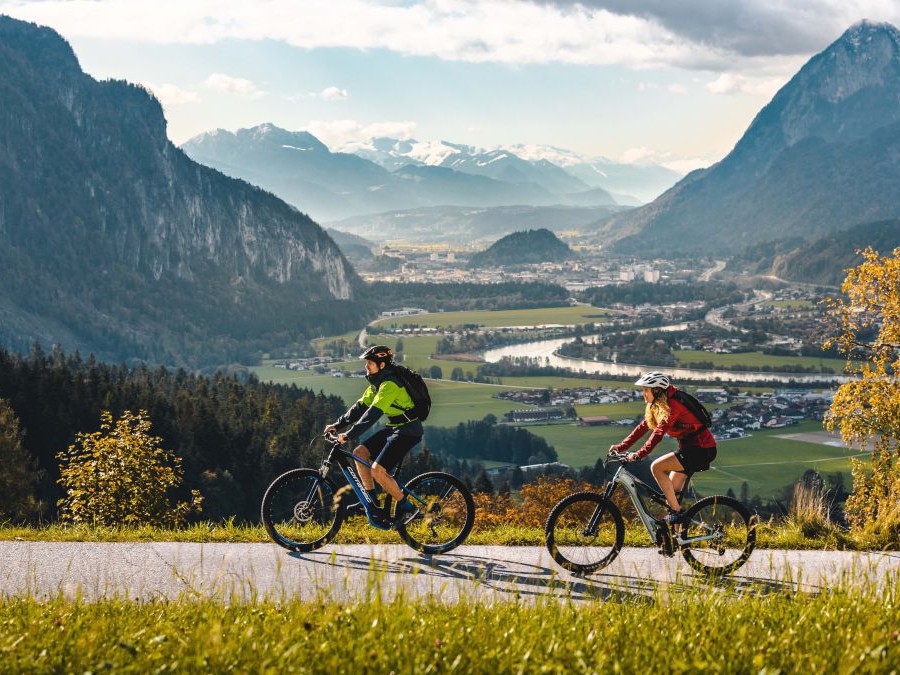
681	424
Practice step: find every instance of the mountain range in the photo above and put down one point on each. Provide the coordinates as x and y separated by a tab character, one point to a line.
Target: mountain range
113	241
386	174
629	184
823	155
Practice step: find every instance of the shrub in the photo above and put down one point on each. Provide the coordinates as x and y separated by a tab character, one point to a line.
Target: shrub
121	475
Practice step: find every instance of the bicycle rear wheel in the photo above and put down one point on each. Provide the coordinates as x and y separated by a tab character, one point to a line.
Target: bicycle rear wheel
301	510
718	535
584	532
445	513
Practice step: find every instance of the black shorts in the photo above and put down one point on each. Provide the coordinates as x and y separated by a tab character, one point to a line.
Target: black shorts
694	458
388	446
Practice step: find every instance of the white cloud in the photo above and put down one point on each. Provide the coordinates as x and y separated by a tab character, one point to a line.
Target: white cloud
644	155
733	83
346	135
676	88
500	31
171	94
333	94
232	85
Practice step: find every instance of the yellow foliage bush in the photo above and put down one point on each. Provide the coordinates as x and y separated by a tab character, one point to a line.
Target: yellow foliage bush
121	475
537	499
867	408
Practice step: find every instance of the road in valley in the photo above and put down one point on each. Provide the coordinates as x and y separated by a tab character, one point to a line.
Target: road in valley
354	572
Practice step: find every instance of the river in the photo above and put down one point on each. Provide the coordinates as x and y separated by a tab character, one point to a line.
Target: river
546	350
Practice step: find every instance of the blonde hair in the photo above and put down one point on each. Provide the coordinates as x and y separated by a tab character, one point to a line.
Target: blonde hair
657	410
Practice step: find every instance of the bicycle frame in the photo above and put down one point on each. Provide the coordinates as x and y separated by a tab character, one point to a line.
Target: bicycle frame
657	530
342	459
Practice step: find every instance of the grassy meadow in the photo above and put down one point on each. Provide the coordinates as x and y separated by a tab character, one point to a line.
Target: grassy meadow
755	360
718	628
499	318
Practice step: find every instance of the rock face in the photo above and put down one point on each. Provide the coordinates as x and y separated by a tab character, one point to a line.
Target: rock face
112	240
823	155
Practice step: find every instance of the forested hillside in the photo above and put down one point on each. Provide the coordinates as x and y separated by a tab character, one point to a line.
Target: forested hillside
234	437
821	261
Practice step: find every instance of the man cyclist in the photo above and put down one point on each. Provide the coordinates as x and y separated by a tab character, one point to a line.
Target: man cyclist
666	415
384	395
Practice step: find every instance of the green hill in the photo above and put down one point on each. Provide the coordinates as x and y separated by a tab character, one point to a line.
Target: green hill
520	248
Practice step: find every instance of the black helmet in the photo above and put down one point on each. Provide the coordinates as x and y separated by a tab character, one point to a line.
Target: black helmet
379	354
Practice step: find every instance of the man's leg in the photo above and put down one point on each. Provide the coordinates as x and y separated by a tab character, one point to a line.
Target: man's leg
365	473
394	451
386	481
661	469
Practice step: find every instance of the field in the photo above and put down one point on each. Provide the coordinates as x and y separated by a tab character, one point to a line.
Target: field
495	319
766	462
756	360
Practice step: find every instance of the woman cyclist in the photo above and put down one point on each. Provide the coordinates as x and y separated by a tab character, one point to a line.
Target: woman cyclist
666	415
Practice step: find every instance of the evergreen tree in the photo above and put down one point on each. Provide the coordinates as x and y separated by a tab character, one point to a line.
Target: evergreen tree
483	483
18	470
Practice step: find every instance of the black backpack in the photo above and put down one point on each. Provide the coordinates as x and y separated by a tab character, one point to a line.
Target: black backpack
697	409
417	390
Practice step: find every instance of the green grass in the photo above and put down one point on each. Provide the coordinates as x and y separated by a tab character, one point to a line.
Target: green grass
580	446
500	318
693	627
768	463
755	360
351	337
356	530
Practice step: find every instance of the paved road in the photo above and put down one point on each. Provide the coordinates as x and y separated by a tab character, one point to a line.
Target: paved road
488	573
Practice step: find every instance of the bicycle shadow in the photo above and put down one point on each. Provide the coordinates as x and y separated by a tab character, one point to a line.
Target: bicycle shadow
523	579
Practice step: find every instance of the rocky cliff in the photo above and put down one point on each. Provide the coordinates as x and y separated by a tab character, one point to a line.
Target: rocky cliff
112	240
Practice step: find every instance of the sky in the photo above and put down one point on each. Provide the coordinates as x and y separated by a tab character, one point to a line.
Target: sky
675	82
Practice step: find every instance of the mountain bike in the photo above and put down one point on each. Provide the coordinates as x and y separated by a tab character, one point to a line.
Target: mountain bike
303	509
585	531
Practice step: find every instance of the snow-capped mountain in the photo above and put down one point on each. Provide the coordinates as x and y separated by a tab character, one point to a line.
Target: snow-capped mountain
328	185
556	169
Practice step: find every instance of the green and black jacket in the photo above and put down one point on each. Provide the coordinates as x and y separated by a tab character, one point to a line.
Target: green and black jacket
384	396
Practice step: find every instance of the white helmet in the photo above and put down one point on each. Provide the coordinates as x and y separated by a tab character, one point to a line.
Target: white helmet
653	379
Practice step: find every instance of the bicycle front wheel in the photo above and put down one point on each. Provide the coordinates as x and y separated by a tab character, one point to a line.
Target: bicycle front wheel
718	535
301	510
584	532
445	515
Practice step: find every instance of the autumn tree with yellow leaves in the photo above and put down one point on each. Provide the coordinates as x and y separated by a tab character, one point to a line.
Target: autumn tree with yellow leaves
866	409
121	475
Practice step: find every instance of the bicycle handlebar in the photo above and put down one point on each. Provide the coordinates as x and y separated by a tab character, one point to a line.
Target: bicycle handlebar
332	437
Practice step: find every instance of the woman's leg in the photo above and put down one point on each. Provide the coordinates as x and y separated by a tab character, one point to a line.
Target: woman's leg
661	469
678	480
